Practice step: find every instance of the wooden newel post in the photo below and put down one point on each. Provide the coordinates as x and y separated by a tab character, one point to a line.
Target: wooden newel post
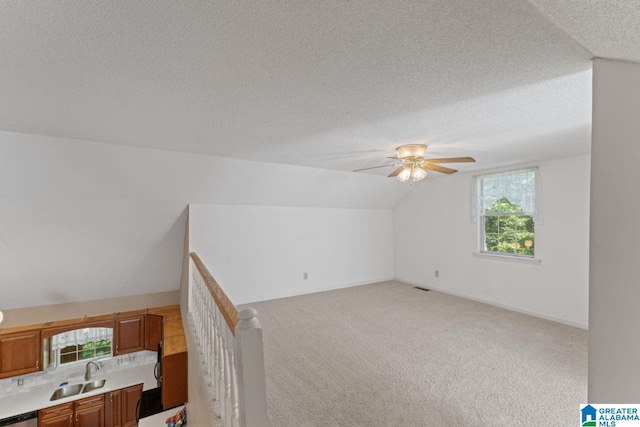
252	389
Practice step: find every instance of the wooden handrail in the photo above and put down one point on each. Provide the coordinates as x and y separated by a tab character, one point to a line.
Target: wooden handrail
226	307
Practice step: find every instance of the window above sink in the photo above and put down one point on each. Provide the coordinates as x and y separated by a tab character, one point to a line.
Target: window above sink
78	346
81	344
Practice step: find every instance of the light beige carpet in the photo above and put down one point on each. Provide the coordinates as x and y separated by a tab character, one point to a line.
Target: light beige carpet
390	355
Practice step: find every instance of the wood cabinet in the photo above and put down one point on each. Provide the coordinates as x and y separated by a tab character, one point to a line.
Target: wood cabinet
89	412
128	334
153	325
57	421
122	406
130	398
113	409
56	416
174	357
174	380
20	353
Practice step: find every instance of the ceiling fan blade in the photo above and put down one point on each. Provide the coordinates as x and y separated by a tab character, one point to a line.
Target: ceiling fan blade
452	160
396	172
437	168
374	167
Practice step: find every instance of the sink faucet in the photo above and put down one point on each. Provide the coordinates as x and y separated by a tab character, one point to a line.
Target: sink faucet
87	374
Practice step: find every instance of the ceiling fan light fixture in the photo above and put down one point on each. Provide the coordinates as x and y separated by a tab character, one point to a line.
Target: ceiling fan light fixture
411	164
417	174
411	150
405	174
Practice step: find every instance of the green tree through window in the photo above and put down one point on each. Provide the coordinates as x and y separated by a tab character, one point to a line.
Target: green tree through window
78	345
90	350
507	229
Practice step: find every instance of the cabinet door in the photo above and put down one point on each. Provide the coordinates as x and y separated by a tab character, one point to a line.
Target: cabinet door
129	334
130	398
89	412
152	332
175	372
19	353
56	416
92	416
57	421
113	409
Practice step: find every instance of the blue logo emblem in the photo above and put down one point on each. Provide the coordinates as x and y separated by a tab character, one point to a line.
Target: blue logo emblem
588	416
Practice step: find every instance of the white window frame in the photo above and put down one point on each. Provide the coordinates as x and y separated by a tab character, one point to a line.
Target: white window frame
58	354
482	239
478	216
81	336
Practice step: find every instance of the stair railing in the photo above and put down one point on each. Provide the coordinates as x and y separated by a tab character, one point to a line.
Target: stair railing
232	357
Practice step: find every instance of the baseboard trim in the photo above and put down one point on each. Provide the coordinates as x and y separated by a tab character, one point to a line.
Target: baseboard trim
278	295
496	304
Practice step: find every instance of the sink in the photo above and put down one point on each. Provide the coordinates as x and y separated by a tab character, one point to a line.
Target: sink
72	390
62	392
93	385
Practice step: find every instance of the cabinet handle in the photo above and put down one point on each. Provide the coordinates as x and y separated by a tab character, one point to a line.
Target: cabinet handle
116	349
37	364
76	417
70	420
111	398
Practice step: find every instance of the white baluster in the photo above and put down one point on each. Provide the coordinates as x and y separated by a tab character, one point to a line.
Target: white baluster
207	340
210	344
223	374
216	353
228	407
219	367
234	388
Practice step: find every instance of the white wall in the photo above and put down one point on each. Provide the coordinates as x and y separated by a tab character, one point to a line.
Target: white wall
433	231
614	315
261	252
84	221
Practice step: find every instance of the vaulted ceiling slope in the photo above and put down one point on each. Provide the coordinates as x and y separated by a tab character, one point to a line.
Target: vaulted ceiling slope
82	221
328	84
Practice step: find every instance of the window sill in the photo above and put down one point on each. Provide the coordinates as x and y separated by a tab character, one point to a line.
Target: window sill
509	258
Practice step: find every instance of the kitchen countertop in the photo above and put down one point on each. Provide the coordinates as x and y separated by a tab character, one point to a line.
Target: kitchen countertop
38	398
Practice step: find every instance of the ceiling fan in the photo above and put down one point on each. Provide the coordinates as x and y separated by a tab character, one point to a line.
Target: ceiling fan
413	163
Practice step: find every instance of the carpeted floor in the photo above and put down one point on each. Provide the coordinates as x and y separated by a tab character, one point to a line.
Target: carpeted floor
390	355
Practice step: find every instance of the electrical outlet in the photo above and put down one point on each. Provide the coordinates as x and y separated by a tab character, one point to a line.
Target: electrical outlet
305	276
119	360
20	381
437	273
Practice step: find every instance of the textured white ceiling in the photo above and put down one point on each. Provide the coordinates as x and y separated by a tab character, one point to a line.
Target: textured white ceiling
328	84
609	29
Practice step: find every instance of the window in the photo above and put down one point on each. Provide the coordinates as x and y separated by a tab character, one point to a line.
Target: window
506	212
81	344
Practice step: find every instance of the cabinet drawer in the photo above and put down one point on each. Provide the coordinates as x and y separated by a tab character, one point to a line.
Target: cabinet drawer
88	402
56	410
